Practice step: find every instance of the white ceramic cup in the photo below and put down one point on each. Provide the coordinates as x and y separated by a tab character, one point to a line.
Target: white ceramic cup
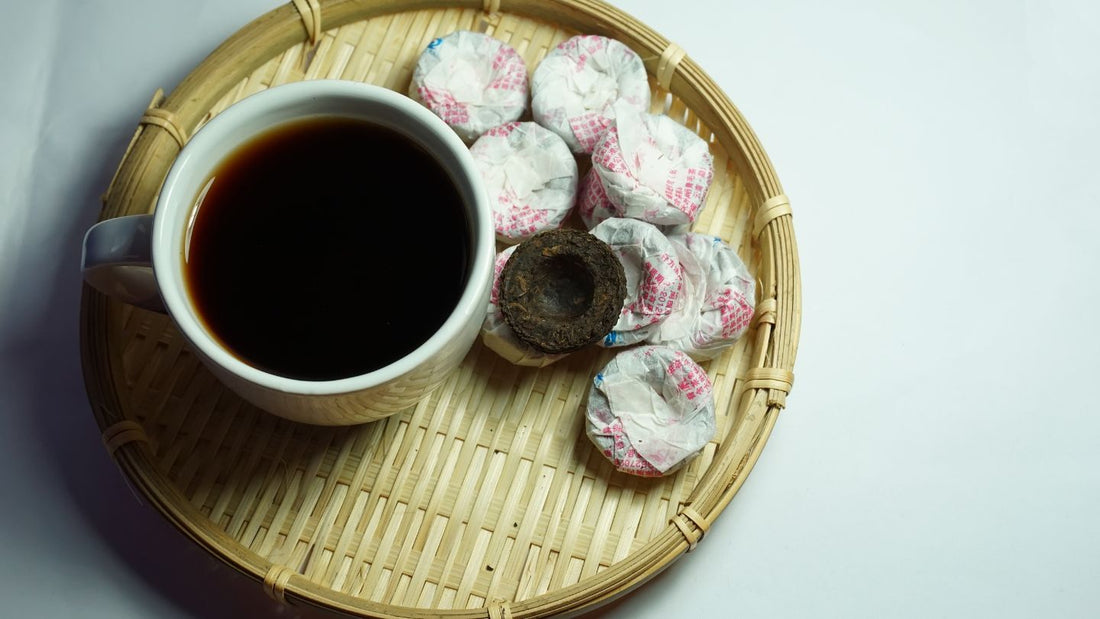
138	258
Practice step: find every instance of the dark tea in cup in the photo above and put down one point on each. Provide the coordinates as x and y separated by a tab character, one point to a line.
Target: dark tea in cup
326	247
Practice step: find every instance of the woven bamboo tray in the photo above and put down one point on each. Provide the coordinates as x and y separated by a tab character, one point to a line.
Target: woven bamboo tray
486	500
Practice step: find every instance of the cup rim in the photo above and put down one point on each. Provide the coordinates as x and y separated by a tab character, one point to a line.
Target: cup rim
175	202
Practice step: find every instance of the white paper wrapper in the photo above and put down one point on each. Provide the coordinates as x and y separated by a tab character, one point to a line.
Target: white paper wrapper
472	81
654	279
594	206
592	203
496	333
574	88
719	295
530	176
653	168
650	410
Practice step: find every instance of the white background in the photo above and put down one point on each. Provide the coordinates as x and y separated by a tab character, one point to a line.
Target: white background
940	456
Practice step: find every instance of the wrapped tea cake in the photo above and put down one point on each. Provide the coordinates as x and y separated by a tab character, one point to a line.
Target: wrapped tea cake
575	88
653	168
654	279
531	178
650	410
719	298
472	81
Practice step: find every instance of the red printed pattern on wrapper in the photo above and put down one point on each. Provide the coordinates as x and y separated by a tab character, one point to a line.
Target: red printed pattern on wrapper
690	379
687	189
502	131
593	205
658	294
509	70
622	453
735	311
610	155
588	128
581	48
514	221
444	105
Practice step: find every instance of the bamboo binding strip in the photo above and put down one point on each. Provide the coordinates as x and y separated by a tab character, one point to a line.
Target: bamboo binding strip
485	500
685	520
123	432
275	582
165	120
310	12
772	208
667	63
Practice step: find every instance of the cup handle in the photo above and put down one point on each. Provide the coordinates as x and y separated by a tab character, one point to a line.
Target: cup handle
118	260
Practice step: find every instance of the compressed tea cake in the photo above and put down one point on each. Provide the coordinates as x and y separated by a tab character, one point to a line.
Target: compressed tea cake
530	176
653	168
472	81
575	88
650	410
719	298
562	290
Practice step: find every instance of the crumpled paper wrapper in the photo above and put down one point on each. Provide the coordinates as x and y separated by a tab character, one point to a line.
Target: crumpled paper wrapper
472	81
575	87
654	279
498	336
719	294
653	168
650	410
530	176
593	206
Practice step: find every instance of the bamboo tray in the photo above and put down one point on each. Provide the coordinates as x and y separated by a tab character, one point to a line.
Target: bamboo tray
486	500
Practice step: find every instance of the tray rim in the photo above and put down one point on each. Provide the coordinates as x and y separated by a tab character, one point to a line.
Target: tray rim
763	394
